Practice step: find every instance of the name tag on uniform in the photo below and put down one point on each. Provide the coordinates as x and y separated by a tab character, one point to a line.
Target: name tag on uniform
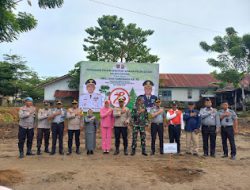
170	148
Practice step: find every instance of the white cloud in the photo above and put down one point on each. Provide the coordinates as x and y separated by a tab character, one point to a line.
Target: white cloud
56	44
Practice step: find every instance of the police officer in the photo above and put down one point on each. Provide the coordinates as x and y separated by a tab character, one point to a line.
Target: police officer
149	99
229	127
139	120
209	122
122	119
43	128
158	120
91	100
75	121
57	127
27	115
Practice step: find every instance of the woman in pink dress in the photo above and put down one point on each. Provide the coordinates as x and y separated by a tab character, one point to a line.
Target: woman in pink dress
107	123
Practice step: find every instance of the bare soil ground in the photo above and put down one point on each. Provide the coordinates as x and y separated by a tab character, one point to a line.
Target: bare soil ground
100	172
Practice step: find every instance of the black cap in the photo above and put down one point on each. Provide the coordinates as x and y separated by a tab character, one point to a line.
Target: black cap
224	101
140	98
74	102
174	103
121	99
58	102
90	81
148	83
207	99
191	103
157	100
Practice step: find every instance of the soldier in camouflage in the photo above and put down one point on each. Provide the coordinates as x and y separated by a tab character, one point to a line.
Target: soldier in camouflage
139	119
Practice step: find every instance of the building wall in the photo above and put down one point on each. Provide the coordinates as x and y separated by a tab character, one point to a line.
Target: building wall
50	89
181	94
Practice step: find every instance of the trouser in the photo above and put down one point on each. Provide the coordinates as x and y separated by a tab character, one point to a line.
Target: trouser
209	132
227	132
106	138
192	142
118	132
43	133
22	134
57	131
156	128
141	129
174	132
70	138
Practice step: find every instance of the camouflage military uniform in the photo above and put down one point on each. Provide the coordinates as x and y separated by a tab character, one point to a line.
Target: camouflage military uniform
139	121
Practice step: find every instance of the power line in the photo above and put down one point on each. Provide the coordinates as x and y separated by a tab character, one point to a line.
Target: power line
155	17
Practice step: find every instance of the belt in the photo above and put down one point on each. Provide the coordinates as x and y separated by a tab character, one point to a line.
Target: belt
208	126
57	123
226	126
175	124
157	123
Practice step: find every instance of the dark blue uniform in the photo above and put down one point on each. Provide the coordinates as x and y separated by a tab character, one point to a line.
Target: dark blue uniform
191	123
149	102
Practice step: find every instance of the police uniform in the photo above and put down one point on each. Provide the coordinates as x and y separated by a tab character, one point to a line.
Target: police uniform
149	100
227	131
75	121
43	129
121	126
209	122
91	101
139	121
157	127
26	128
57	128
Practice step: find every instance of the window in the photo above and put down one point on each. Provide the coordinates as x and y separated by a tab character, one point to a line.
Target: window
166	95
189	93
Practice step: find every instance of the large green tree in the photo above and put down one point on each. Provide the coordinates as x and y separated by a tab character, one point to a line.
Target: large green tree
12	22
112	40
233	58
17	79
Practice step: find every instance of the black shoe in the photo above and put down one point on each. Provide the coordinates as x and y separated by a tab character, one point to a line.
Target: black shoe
21	155
52	153
88	152
195	154
46	150
133	152
205	155
116	152
125	152
29	153
38	152
144	153
152	153
61	152
91	152
233	157
161	153
78	151
224	156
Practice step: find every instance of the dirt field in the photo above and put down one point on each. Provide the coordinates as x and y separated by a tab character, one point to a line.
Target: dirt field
123	172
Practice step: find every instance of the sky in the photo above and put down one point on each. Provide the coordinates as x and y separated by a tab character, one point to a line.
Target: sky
55	45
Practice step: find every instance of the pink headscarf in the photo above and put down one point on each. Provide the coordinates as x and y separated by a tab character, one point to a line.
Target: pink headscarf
107	119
